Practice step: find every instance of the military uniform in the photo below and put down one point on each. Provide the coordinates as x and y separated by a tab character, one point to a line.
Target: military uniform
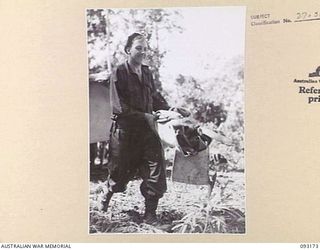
135	146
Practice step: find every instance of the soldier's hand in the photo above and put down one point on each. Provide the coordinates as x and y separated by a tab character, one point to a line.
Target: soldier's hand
164	116
182	111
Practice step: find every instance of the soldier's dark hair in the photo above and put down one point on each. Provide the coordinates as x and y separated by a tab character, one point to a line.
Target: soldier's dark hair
130	40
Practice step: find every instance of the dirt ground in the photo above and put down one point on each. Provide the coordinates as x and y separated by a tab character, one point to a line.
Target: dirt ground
184	208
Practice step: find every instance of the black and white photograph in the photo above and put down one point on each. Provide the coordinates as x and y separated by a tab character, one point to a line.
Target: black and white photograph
166	120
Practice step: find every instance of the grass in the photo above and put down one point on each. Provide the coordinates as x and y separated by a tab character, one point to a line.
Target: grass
183	209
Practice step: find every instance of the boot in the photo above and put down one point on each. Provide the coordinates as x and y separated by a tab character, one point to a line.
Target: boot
105	202
150	216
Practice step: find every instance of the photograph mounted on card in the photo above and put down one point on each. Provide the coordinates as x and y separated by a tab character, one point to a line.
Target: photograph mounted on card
166	120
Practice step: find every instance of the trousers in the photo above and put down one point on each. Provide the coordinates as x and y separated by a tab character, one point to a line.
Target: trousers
136	152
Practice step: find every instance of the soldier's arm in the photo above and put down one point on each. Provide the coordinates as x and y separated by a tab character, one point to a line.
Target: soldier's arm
159	103
119	93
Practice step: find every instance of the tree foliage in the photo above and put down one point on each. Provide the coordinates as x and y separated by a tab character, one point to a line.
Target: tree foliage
217	103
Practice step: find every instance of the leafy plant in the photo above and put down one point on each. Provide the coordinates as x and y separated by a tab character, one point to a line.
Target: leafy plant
212	217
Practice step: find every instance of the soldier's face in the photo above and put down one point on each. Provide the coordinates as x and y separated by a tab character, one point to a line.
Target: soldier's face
138	50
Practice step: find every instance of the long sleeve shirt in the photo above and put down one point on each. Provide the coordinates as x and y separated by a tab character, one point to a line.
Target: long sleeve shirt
132	98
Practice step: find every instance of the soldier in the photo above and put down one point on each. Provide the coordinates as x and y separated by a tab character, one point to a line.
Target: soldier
135	146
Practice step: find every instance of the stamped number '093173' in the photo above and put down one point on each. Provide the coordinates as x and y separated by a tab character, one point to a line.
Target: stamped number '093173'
309	245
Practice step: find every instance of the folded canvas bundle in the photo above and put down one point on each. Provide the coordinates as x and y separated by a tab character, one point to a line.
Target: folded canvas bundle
176	130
